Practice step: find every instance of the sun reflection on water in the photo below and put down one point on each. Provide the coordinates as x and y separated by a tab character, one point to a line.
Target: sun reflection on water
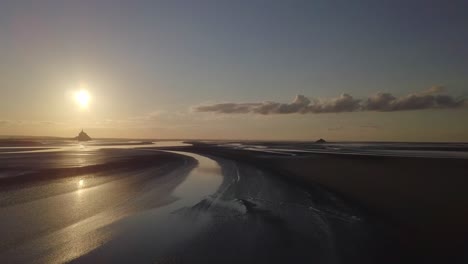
81	183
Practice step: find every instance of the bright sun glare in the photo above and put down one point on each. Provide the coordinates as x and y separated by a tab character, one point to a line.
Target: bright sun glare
82	98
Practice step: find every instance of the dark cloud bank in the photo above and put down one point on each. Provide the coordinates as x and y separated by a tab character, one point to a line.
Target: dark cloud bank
383	102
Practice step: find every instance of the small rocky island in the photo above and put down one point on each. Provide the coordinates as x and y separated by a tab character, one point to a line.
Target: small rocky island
321	141
83	136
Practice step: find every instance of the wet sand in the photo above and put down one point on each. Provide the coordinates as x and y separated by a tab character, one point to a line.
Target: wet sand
60	214
424	199
144	205
203	203
251	216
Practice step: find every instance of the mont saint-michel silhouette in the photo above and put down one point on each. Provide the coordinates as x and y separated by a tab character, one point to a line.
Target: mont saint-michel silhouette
83	136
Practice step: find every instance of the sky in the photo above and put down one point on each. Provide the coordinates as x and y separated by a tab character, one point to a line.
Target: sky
271	70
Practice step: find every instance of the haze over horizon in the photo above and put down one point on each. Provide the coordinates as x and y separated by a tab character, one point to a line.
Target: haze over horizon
271	70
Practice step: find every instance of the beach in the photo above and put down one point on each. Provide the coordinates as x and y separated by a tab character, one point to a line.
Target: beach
221	201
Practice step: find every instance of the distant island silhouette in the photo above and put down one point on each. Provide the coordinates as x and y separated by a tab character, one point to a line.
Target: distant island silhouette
321	141
83	136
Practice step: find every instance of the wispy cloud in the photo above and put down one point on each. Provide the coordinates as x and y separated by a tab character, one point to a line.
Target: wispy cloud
5	122
27	123
370	126
383	102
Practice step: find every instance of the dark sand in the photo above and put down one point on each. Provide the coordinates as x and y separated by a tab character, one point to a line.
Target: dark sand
425	199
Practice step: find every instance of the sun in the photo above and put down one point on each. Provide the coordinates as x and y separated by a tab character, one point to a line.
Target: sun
82	98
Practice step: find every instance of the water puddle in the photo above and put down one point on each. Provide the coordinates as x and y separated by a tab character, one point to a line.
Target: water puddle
202	181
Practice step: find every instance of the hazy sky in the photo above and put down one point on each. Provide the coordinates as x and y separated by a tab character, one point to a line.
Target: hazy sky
232	69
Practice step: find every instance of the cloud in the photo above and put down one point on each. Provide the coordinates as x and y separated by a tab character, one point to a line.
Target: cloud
300	104
48	123
430	98
229	108
436	89
5	122
338	128
383	102
370	126
343	103
27	123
